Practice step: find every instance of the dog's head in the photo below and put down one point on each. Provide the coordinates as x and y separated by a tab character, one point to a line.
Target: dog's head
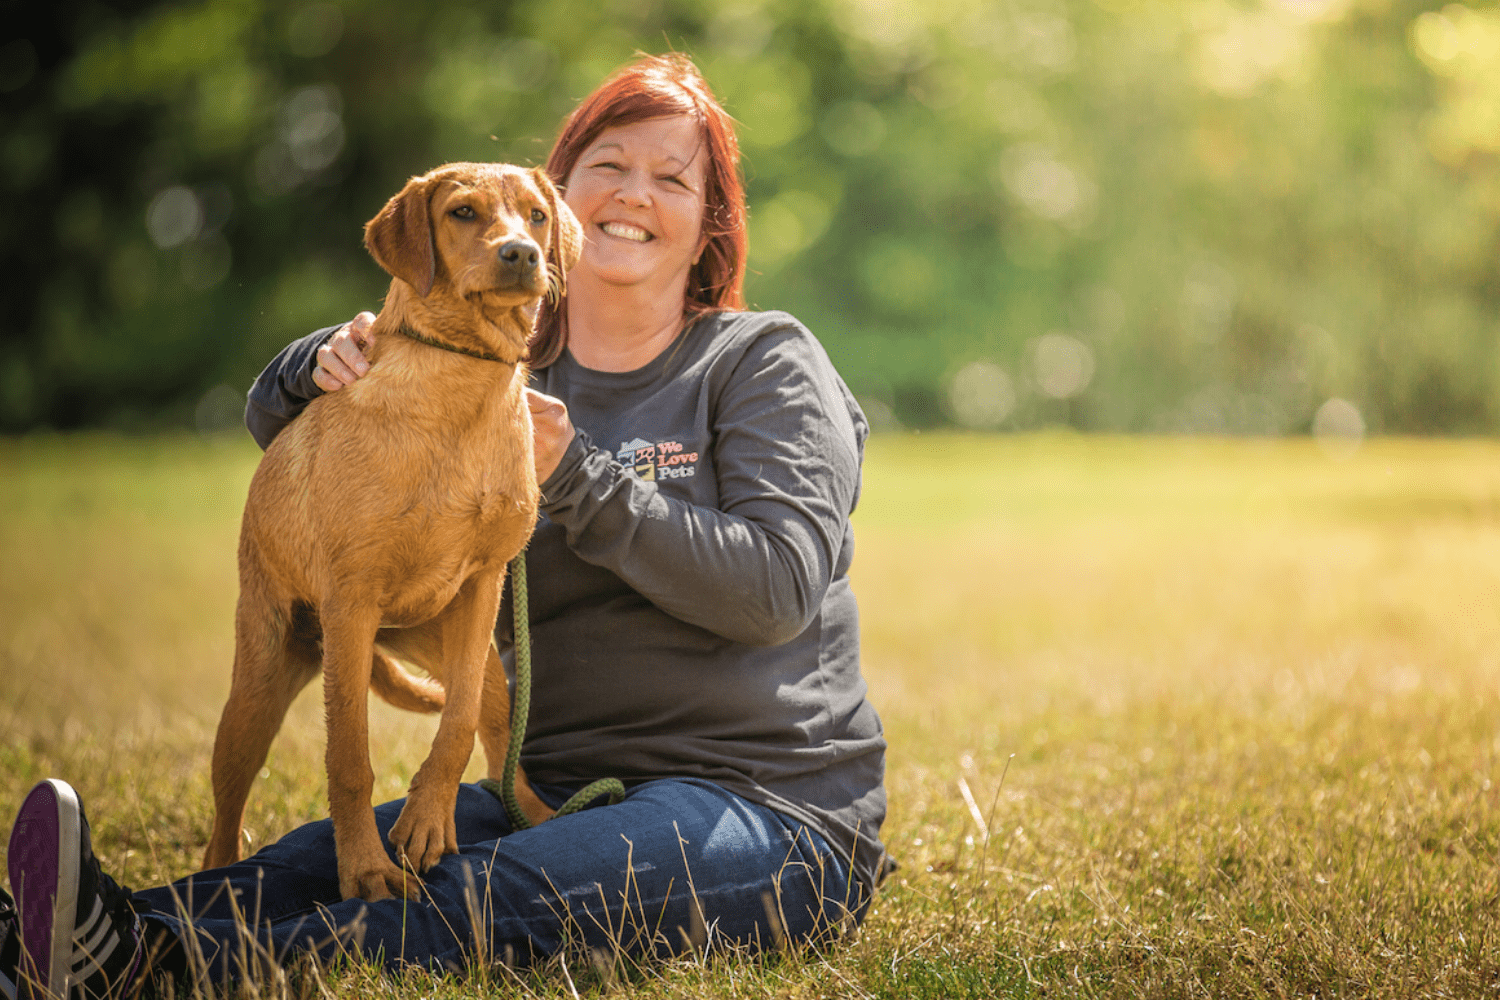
488	230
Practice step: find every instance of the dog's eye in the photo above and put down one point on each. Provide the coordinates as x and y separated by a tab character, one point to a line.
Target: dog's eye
538	216
462	212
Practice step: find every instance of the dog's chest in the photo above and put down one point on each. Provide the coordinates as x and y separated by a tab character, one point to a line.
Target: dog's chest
477	495
464	512
461	525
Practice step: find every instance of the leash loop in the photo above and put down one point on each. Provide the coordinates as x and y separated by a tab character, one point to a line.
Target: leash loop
521	707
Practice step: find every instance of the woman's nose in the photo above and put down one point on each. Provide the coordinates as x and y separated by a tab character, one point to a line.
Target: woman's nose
634	190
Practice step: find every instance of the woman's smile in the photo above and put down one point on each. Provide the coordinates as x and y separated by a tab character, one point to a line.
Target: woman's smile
625	231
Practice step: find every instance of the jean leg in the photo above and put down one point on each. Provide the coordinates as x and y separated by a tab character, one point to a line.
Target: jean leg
289	889
678	863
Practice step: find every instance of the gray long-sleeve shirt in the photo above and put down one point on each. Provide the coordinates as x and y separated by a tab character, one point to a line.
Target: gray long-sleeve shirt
690	608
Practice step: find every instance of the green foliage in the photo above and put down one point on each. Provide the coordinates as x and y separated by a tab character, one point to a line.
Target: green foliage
1211	216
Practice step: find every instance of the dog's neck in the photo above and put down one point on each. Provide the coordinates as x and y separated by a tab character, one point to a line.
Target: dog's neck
406	330
459	326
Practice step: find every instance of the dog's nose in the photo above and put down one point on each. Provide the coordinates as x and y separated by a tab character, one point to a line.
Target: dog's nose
520	256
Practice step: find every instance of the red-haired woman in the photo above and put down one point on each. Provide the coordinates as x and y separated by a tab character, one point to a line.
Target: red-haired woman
694	630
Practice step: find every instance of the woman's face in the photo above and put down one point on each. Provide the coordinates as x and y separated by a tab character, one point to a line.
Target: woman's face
638	191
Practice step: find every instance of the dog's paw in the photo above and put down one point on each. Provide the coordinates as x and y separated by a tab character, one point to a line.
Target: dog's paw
382	881
423	834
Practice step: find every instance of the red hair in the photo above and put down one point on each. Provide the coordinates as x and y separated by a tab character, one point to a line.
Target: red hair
663	87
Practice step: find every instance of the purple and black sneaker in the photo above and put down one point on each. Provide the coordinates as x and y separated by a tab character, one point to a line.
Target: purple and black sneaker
80	939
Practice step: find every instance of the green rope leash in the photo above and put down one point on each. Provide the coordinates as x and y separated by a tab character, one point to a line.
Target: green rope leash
521	707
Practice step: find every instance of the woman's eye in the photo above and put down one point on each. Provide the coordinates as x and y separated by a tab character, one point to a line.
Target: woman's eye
462	212
538	216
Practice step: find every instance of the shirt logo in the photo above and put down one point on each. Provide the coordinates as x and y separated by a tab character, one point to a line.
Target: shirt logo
650	462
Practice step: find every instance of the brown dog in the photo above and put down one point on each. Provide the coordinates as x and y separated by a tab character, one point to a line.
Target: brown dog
380	522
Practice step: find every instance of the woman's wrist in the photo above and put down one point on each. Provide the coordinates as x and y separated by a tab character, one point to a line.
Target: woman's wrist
566	465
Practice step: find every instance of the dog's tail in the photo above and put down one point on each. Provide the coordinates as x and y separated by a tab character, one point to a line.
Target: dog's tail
400	689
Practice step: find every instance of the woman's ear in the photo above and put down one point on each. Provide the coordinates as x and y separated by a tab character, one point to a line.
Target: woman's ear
564	237
400	237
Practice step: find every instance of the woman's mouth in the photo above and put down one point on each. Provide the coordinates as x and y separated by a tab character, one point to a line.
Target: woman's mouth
625	231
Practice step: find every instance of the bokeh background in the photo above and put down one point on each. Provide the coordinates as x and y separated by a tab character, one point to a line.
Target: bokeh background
1262	217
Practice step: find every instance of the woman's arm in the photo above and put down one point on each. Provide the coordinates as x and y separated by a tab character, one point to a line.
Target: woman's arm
323	361
786	454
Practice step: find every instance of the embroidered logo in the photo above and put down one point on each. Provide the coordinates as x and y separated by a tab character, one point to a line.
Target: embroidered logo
660	460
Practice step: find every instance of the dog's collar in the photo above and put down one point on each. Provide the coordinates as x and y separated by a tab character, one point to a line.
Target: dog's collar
407	331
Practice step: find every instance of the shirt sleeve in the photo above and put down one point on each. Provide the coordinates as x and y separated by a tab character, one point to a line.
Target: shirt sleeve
285	388
786	453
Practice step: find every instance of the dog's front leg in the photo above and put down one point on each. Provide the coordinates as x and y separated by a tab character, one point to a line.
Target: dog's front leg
425	830
348	645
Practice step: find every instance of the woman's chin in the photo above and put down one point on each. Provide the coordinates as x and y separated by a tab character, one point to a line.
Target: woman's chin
606	277
629	274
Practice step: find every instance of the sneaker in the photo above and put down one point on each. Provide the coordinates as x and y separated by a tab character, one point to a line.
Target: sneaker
10	946
80	939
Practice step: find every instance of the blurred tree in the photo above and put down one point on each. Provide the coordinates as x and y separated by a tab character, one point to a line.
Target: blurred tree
1208	217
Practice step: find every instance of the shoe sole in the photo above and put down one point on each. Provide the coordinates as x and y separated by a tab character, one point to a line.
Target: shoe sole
43	863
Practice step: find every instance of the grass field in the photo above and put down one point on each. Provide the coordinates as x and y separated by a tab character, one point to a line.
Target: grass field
1168	718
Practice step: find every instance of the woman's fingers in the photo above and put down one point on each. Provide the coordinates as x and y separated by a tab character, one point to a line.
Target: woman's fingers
342	360
361	327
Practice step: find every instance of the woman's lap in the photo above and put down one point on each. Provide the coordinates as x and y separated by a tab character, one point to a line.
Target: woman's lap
676	863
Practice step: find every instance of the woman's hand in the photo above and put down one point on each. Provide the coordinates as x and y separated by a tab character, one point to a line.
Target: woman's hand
342	361
551	431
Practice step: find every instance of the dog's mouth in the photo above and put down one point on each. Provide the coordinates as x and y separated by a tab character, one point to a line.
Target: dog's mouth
511	296
625	231
510	288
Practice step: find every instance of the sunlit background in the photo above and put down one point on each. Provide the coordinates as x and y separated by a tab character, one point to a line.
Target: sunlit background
1178	713
1258	218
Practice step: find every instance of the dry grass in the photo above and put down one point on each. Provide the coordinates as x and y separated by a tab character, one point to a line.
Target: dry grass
1245	701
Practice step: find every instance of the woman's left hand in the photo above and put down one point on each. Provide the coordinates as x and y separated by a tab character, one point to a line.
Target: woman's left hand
551	431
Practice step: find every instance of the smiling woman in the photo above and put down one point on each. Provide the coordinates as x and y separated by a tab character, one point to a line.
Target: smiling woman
660	109
693	629
638	191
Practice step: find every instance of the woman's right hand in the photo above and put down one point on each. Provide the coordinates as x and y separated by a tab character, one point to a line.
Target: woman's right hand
342	360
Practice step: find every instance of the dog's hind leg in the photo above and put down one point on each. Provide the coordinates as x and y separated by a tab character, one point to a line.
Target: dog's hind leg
273	661
494	715
495	733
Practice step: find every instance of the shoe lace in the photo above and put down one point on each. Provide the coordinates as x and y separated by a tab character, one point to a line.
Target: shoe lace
116	897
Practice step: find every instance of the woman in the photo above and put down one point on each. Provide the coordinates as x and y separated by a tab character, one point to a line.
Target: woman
693	629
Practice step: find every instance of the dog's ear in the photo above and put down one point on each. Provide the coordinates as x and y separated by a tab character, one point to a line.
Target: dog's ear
564	237
400	237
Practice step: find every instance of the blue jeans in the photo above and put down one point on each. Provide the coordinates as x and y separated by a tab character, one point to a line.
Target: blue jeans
678	863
